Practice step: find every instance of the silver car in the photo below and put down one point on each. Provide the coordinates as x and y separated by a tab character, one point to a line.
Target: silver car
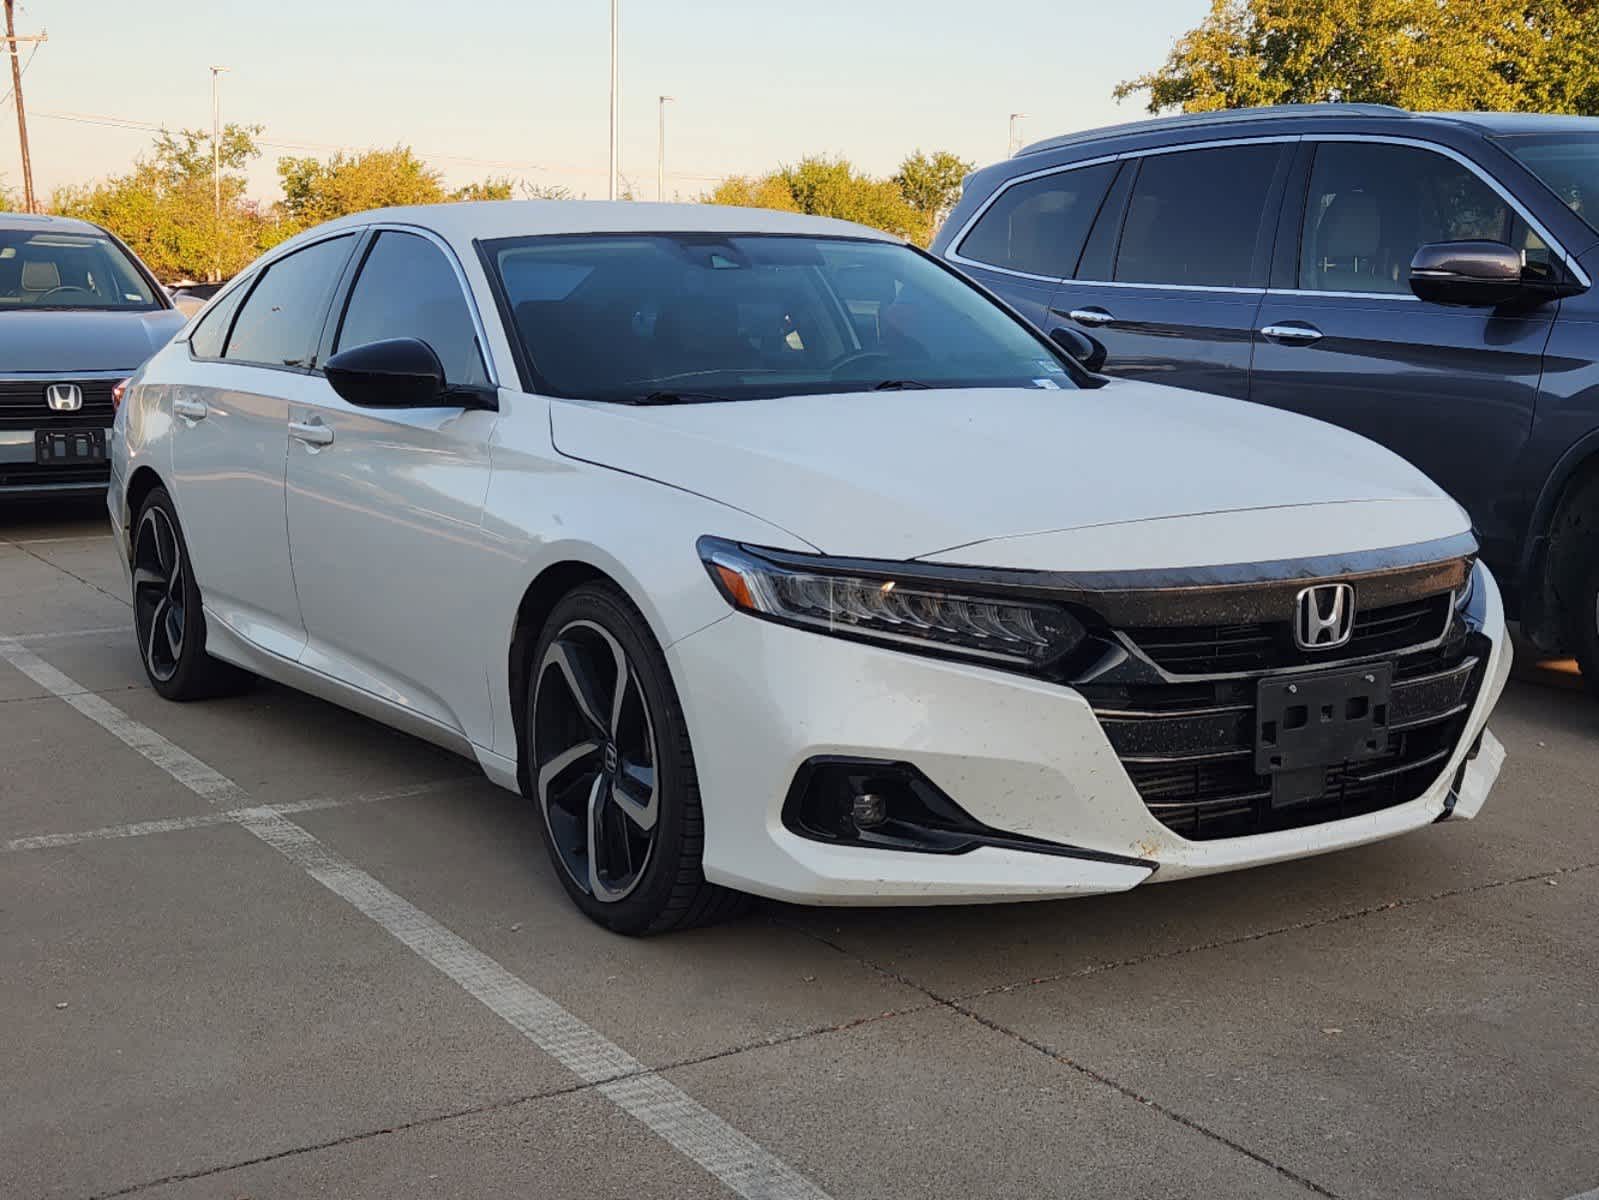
79	313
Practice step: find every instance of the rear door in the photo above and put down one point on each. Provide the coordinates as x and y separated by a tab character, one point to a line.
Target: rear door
1342	338
385	505
1029	235
1173	273
249	360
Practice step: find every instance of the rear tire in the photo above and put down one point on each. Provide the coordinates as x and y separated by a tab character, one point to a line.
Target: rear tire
1582	623
612	772
168	619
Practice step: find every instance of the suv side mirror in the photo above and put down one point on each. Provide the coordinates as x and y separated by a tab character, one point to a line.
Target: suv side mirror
1090	354
1483	274
398	373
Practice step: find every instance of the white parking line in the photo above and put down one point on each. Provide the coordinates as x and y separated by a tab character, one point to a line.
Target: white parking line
1590	1195
30	639
48	541
661	1106
52	841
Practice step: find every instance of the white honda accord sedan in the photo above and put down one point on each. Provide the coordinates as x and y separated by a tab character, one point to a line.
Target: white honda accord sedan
766	554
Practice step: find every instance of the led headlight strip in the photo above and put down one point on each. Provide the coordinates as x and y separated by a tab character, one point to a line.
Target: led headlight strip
913	613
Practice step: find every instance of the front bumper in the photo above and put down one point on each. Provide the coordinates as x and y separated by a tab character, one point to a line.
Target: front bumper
1021	755
20	475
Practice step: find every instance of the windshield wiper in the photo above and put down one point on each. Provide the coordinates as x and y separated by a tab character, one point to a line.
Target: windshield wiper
901	385
679	398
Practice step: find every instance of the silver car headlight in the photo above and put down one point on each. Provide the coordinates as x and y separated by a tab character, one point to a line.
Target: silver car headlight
910	611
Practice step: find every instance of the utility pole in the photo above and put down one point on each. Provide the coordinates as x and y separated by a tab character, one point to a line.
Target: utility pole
660	160
216	175
1015	134
615	86
12	40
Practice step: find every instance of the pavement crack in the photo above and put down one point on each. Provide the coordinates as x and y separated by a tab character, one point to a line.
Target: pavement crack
89	583
107	691
507	1104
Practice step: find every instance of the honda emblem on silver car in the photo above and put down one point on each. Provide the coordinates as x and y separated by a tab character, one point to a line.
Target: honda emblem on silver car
1324	616
64	397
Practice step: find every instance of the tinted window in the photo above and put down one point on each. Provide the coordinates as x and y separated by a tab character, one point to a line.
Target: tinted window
1039	226
707	316
57	269
281	321
406	288
208	336
1568	163
1196	218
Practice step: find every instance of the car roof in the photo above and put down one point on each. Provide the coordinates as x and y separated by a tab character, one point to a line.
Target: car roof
464	221
16	221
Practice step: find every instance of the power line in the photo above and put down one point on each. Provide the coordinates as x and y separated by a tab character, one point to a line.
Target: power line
115	122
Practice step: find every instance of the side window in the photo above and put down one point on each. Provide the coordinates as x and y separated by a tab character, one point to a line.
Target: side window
1039	227
1370	206
1196	218
281	321
407	288
208	336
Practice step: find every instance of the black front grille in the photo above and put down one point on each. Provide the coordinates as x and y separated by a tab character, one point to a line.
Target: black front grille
23	406
13	475
1189	747
1220	649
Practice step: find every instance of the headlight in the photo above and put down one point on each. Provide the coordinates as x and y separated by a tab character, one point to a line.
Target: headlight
913	612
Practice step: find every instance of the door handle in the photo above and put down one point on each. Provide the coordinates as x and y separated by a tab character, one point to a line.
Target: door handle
1092	317
312	433
190	410
1303	334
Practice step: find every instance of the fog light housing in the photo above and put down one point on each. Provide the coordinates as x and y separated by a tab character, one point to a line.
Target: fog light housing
868	810
876	803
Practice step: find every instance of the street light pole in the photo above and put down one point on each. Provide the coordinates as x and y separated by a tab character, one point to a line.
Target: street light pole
660	160
216	176
1015	133
615	110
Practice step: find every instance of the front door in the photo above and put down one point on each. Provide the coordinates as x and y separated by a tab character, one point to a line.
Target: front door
385	505
1171	284
1452	389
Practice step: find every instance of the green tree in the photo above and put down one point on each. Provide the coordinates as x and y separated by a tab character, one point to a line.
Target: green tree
499	188
165	207
932	184
829	187
1540	55
315	190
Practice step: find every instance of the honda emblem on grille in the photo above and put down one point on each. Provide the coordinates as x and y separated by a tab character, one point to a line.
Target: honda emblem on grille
64	397
1324	616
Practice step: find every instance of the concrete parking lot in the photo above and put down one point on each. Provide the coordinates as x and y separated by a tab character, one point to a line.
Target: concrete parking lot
260	947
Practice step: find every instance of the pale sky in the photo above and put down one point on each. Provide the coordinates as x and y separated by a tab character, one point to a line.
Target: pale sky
525	85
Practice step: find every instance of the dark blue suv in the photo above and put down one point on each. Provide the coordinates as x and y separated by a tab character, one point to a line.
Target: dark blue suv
1422	279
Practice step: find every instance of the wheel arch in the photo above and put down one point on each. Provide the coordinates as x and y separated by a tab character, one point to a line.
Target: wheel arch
1567	505
144	480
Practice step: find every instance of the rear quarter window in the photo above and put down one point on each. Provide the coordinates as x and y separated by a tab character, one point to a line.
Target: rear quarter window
1038	227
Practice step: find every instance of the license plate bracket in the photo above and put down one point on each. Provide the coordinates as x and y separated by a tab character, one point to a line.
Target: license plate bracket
52	447
1306	723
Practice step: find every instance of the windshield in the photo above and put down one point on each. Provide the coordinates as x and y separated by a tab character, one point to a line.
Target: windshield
663	318
1568	163
41	270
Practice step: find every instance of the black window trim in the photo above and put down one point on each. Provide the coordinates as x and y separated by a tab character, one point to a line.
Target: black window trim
251	278
952	254
533	383
350	276
243	282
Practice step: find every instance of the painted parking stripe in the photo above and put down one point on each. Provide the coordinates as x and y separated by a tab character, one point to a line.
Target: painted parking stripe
29	639
53	841
1593	1195
661	1106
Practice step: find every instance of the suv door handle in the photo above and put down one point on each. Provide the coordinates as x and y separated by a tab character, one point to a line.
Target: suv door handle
1303	334
190	410
312	433
1092	317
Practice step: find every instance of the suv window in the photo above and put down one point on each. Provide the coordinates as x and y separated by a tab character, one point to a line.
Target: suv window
281	321
208	336
1039	227
407	288
1196	218
1371	205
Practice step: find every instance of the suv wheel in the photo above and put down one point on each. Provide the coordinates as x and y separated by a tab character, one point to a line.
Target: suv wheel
167	616
1582	624
612	771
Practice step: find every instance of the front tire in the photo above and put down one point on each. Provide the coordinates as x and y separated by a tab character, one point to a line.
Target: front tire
1582	624
612	771
167	615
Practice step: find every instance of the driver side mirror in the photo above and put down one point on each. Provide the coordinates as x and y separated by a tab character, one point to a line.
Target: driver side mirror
399	373
1478	274
1086	351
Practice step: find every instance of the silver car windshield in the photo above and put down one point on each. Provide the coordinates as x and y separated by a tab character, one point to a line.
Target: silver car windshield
666	318
52	270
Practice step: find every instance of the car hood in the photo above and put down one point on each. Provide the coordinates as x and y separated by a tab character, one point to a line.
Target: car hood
1024	478
64	341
